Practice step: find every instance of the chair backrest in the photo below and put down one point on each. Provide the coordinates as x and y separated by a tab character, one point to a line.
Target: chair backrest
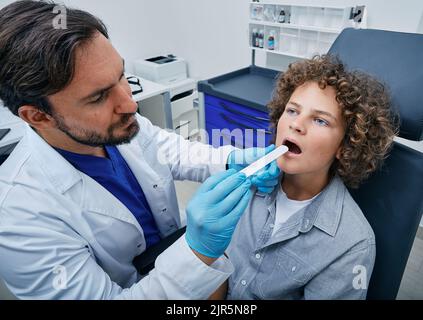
392	198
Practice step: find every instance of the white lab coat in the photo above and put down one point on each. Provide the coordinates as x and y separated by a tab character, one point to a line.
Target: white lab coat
63	236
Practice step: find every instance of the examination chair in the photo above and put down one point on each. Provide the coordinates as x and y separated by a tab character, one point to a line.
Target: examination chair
392	198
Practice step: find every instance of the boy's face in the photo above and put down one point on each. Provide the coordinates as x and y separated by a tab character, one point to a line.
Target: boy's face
313	128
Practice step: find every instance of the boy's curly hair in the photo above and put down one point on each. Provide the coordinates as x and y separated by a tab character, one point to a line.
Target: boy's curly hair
365	107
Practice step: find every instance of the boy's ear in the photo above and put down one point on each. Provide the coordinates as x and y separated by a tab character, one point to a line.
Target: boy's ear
339	152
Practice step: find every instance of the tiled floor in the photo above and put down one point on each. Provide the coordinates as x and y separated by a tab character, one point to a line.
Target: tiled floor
412	281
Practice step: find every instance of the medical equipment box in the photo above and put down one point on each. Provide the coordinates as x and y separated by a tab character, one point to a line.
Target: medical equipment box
235	107
162	69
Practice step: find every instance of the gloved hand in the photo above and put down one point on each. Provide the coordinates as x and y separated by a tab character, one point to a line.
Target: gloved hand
215	210
265	179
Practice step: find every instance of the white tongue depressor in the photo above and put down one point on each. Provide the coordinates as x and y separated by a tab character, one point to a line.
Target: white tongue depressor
264	161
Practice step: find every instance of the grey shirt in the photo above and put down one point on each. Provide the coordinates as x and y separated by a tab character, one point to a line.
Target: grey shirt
324	251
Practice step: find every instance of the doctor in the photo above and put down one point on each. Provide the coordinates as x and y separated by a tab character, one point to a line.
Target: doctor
90	186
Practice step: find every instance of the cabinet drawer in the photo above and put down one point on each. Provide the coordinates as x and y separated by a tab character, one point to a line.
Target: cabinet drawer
237	109
183	102
222	118
186	124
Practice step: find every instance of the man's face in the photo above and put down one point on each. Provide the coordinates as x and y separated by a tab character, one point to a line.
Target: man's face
313	129
96	108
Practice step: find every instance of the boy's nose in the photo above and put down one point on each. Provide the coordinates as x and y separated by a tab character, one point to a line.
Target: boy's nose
297	126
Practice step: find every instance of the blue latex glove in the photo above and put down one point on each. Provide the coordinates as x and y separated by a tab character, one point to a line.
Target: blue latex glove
265	179
215	210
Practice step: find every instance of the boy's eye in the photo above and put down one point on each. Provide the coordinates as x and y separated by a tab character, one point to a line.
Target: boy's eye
321	122
291	111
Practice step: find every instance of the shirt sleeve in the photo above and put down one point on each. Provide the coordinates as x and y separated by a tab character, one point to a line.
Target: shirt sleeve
347	278
39	263
187	279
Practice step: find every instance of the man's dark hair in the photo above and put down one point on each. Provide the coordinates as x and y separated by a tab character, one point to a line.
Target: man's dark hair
37	59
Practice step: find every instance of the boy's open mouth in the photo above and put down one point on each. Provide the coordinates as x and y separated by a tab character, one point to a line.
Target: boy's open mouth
292	146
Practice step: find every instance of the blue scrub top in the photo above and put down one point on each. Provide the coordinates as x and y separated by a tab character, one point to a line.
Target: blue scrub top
114	174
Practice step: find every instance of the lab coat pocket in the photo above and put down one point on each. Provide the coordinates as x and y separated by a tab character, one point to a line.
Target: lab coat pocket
286	276
121	240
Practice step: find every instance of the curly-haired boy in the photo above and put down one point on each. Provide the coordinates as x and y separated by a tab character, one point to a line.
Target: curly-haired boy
309	239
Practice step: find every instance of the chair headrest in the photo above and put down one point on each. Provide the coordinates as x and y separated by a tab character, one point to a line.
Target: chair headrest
396	59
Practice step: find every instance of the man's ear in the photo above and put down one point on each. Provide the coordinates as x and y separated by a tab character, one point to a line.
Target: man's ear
35	117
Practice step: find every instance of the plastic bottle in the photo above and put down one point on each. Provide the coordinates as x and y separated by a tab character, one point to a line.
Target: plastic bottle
257	39
271	40
261	39
281	18
254	39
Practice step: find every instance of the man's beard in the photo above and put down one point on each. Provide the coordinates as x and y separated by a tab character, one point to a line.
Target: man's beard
94	139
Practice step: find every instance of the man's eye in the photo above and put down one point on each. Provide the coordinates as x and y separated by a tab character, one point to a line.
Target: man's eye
101	98
291	111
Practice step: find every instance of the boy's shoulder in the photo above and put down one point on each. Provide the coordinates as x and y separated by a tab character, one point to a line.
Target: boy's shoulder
355	222
351	227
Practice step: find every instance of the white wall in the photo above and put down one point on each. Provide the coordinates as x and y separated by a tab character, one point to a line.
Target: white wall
211	35
397	15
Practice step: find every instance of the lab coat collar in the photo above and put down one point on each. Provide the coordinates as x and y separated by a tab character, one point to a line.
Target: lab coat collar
62	174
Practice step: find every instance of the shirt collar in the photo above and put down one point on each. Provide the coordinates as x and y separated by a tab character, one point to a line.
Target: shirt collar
324	212
329	212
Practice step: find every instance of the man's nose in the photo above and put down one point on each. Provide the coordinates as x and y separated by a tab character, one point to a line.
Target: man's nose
124	102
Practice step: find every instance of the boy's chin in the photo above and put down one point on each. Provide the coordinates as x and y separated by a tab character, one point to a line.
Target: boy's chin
283	167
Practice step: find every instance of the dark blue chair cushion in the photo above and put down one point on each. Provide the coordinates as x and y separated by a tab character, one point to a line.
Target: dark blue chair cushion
392	203
396	59
392	198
